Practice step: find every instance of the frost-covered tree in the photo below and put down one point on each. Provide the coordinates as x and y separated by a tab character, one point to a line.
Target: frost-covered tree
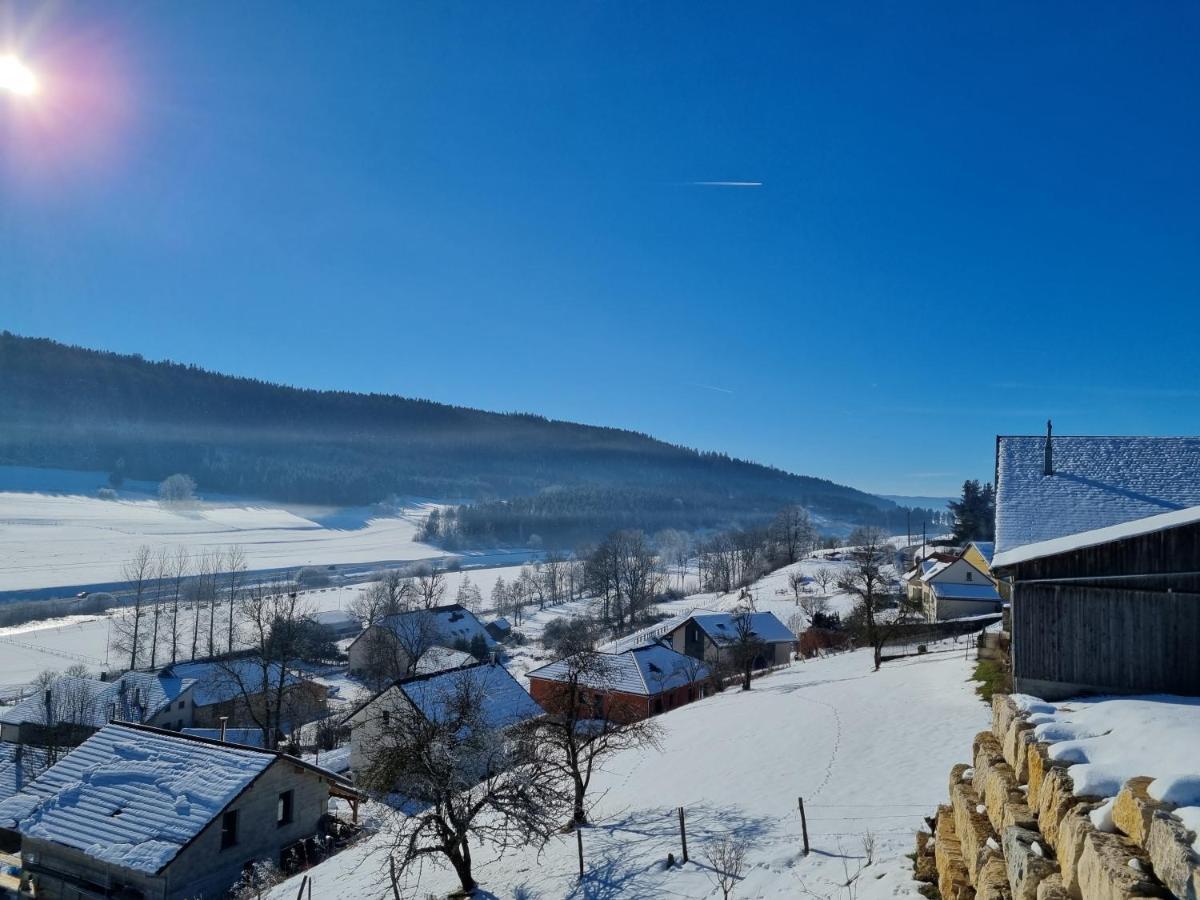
177	488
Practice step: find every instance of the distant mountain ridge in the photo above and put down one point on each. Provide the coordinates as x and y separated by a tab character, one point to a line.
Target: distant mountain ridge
71	407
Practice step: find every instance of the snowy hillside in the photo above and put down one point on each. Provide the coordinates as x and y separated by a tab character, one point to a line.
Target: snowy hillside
867	751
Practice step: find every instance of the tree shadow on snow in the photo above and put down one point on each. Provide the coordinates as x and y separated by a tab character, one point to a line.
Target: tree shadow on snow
625	856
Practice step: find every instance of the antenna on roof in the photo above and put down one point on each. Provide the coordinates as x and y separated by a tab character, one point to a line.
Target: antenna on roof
1048	469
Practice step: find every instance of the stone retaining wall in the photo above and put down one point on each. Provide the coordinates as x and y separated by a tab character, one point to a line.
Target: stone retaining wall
1014	829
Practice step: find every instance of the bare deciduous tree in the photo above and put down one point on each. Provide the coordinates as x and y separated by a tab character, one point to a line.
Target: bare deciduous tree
727	857
825	577
431	585
878	610
580	730
814	605
746	646
235	570
476	782
129	636
794	532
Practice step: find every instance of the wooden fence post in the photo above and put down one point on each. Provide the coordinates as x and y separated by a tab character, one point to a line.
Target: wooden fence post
579	841
683	834
804	826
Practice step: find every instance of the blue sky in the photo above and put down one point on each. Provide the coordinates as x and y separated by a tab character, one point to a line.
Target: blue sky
971	216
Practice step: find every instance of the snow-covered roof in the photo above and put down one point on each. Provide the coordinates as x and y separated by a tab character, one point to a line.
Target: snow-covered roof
1097	482
505	702
1097	536
249	737
501	623
217	682
951	591
720	627
451	623
134	796
336	618
442	659
19	765
92	703
645	671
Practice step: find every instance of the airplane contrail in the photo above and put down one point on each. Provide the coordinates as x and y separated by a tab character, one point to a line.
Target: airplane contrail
710	387
724	183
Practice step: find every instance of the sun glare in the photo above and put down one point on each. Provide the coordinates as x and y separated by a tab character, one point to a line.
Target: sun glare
16	77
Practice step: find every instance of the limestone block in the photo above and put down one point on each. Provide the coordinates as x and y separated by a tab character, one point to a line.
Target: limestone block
1075	826
1052	888
992	881
1134	808
1020	815
1104	872
985	753
1038	762
1012	745
1000	790
1025	740
1003	713
1026	868
956	774
1054	801
972	829
1169	846
948	863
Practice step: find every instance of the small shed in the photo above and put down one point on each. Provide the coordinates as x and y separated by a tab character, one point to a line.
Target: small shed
339	623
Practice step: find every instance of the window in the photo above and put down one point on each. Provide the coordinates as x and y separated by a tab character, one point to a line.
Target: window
229	823
385	718
181	704
283	811
969	578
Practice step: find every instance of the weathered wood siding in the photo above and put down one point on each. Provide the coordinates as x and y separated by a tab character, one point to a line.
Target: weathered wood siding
1105	638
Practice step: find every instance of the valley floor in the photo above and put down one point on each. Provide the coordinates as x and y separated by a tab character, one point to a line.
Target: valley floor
868	751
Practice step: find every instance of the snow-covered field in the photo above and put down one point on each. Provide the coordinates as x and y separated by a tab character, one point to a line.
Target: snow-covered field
48	540
868	752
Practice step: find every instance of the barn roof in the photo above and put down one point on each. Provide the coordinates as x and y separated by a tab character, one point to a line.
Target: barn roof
1097	482
1097	536
134	796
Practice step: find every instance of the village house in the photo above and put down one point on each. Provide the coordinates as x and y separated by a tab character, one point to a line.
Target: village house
714	638
144	813
499	629
389	644
630	685
504	703
236	689
71	708
1099	541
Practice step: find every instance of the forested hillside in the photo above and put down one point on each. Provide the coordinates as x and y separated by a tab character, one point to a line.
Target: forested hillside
69	407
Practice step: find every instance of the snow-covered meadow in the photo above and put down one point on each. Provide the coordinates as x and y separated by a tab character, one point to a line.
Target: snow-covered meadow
868	751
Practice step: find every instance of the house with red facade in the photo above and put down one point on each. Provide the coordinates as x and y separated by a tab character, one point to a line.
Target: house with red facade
630	685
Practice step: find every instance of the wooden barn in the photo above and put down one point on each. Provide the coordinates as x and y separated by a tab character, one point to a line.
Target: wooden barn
1114	607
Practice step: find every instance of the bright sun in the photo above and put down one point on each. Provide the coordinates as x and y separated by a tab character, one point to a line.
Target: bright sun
16	77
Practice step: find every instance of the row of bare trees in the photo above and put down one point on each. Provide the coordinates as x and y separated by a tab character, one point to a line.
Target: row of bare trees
180	605
734	559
